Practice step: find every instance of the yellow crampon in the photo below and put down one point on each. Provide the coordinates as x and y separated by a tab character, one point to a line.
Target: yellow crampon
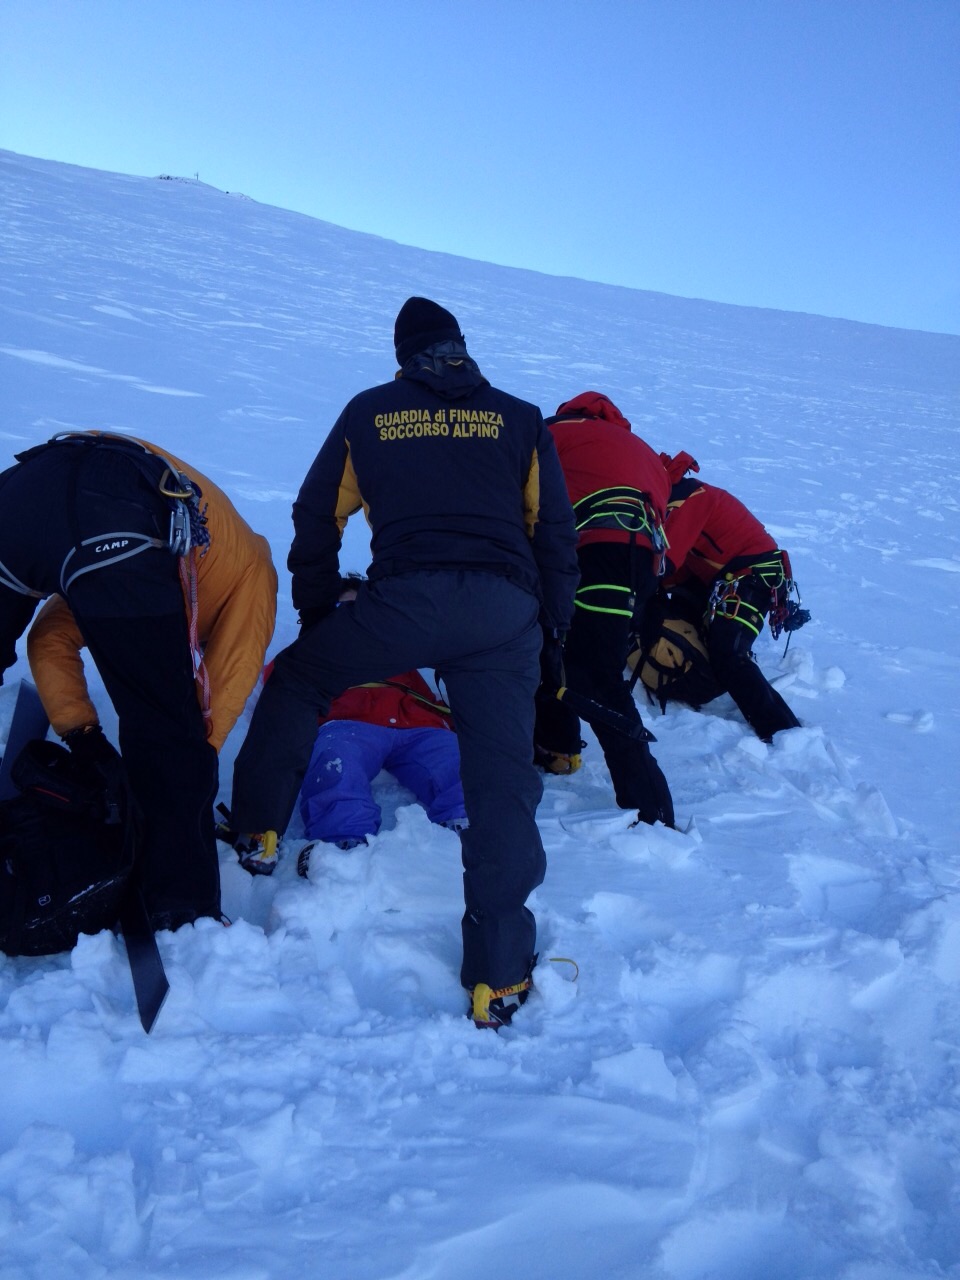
494	1007
258	853
561	764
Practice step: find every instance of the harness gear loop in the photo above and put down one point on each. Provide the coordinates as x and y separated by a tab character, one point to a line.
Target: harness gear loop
108	548
9	579
580	598
624	508
726	602
184	489
772	576
188	521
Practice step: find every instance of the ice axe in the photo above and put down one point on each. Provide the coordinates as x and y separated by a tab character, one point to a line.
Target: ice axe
589	709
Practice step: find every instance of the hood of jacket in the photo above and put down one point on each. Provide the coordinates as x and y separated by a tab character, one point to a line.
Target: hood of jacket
593	404
678	466
446	368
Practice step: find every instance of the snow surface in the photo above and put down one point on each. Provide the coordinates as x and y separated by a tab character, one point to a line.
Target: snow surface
755	1074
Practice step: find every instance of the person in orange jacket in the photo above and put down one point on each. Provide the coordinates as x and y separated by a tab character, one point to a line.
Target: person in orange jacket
724	566
178	639
236	613
398	725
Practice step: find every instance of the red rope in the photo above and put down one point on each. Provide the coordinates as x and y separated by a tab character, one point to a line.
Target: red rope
188	580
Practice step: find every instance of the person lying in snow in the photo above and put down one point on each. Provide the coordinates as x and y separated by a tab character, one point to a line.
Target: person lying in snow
398	725
729	569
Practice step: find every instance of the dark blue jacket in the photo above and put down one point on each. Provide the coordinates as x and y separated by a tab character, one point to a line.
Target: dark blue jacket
450	473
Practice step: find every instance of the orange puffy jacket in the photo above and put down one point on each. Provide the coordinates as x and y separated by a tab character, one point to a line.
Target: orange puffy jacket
237	604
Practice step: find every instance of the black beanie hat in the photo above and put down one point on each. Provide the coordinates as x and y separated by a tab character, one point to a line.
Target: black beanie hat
421	323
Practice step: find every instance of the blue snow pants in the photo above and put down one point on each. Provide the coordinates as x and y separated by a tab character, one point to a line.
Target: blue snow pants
336	799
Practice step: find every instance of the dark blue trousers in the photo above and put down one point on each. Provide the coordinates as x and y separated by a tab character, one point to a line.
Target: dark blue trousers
481	634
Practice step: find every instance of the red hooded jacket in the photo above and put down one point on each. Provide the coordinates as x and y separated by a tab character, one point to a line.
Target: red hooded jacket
378	703
707	529
599	452
415	706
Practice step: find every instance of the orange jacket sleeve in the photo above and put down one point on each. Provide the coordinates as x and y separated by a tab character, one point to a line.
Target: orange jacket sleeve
236	635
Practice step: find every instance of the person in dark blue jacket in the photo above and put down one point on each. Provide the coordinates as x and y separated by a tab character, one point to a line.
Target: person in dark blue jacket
473	558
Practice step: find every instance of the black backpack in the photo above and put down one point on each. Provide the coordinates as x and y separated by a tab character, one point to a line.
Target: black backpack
67	847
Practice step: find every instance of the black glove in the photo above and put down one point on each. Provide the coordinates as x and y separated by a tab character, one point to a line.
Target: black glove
88	745
552	675
91	749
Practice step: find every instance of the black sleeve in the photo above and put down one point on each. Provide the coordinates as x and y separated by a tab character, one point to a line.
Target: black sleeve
555	537
16	610
314	559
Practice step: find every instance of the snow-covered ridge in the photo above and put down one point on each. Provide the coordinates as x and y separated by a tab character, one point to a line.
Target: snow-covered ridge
755	1074
195	182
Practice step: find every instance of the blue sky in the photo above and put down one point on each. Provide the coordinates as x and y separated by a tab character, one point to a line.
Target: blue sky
798	154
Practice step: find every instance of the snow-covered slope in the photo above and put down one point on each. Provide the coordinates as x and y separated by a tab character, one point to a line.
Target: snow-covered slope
755	1074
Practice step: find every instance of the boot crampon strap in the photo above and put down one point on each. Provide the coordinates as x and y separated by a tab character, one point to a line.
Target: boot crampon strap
494	1006
257	853
557	762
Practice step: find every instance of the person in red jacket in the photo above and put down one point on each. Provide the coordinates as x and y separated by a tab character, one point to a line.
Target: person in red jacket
725	566
398	725
619	490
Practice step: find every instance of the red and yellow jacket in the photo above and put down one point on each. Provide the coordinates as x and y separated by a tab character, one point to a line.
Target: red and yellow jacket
605	467
386	703
237	601
415	706
709	531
